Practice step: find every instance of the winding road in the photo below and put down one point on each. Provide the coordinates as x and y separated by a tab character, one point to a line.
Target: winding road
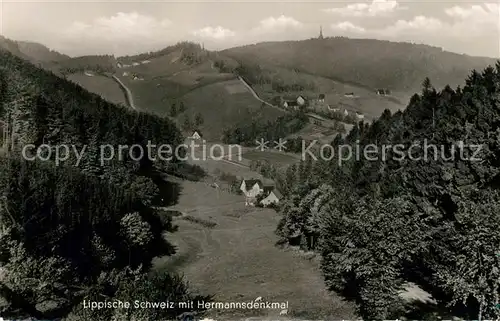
128	93
254	94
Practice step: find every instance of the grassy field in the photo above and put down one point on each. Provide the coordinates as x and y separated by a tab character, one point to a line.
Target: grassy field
367	102
220	98
221	109
277	158
104	86
237	260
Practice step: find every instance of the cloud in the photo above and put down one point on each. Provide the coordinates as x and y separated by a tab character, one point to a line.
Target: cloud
347	27
277	24
460	29
466	22
121	32
475	20
217	33
120	26
486	11
375	8
420	24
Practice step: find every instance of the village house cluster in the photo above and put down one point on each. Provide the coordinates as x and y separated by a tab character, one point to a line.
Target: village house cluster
300	101
256	193
134	76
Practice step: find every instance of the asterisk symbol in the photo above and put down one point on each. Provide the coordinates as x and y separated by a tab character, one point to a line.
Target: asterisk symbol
280	145
262	144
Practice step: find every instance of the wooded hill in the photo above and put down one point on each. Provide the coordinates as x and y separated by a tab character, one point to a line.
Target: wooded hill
72	233
378	224
366	63
31	51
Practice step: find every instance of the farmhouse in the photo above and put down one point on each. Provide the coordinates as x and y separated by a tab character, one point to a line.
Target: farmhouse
301	100
383	92
290	104
335	110
346	113
145	62
119	65
252	188
126	73
88	73
321	98
294	102
135	64
196	135
273	196
360	116
350	95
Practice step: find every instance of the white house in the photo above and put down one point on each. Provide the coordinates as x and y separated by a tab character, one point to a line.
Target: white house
251	188
335	110
145	62
346	113
272	198
350	95
196	135
300	100
291	104
119	65
383	92
126	73
88	73
321	98
135	64
360	116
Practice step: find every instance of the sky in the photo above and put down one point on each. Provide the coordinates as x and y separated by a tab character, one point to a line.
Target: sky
125	28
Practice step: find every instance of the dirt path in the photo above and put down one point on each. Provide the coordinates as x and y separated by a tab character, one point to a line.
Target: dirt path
128	93
238	261
254	94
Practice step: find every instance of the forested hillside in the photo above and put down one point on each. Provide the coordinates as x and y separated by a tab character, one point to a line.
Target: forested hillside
32	51
433	221
39	53
79	231
364	62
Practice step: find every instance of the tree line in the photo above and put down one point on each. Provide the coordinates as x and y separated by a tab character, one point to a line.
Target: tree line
70	233
378	224
272	130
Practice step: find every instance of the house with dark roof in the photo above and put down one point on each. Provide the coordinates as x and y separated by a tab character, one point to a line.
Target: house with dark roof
290	104
196	135
294	101
251	188
383	92
301	100
271	196
321	98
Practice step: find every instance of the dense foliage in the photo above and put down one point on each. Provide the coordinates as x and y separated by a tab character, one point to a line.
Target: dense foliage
380	223
272	130
99	64
189	47
364	62
82	229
